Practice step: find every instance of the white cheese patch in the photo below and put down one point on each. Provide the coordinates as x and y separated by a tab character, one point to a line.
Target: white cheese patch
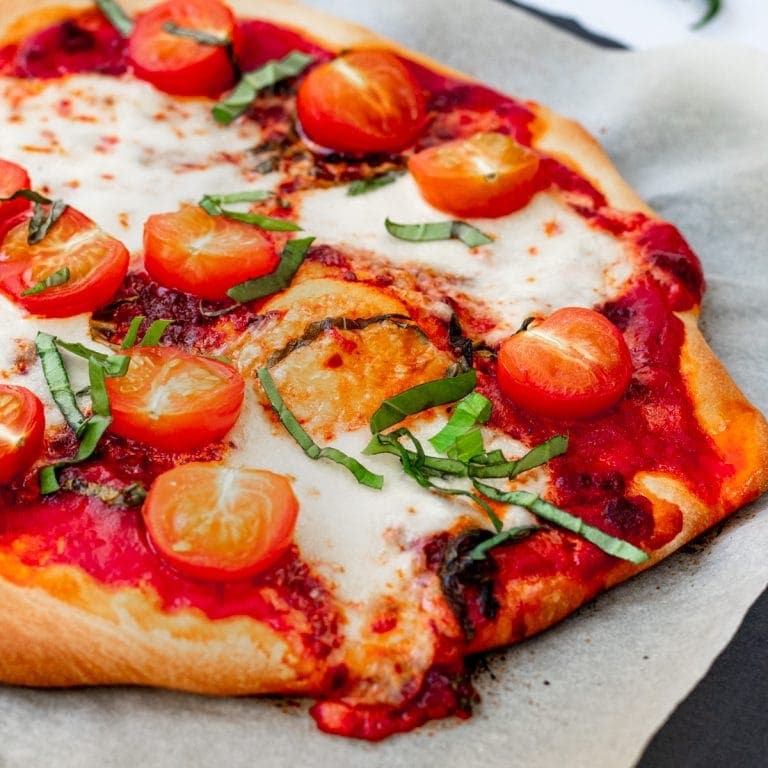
119	150
364	542
544	256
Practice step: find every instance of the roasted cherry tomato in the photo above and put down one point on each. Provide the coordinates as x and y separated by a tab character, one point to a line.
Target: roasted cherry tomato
217	522
97	264
574	364
22	424
12	178
205	255
174	400
176	63
362	101
488	174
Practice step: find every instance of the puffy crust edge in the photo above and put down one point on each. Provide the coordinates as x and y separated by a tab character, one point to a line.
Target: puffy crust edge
188	651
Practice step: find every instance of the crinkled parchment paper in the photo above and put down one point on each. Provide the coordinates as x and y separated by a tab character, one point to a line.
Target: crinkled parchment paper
688	127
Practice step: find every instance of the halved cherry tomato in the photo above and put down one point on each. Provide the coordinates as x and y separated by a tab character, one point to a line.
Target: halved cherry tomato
178	64
362	101
488	174
205	255
574	364
12	178
217	522
174	400
22	424
97	264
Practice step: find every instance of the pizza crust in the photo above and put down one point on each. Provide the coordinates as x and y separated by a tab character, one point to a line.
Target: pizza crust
61	628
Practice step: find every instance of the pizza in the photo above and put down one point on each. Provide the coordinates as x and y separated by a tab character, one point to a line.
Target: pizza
325	368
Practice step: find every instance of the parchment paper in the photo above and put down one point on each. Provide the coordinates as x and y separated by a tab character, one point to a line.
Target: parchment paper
688	128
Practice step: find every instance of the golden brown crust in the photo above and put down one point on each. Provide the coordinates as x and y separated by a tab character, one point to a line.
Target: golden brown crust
60	627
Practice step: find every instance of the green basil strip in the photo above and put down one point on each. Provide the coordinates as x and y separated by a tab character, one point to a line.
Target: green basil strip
472	410
489	465
537	505
89	433
132	334
198	35
252	82
59	277
363	186
421	397
155	333
41	220
503	537
363	475
316	329
415	465
92	432
113	365
249	196
438	230
116	16
57	379
713	8
291	259
466	445
433	466
268	223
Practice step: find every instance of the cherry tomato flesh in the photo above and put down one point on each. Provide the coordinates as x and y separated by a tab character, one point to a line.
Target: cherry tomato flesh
205	255
97	264
215	522
362	101
12	178
22	425
575	364
177	63
174	400
487	174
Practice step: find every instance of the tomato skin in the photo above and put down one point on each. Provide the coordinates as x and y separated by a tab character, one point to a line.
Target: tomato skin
13	178
573	365
174	400
205	255
362	101
488	174
98	264
180	65
22	426
219	523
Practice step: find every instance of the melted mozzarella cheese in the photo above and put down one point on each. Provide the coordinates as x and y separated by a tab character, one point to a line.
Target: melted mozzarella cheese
544	256
119	150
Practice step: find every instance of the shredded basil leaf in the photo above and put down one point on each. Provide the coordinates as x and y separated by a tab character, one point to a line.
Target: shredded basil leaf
503	537
363	475
57	379
421	397
116	16
198	35
466	445
415	465
245	92
113	365
155	333
537	505
495	465
474	409
41	220
214	202
212	206
713	8
59	277
132	334
363	186
291	259
438	230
